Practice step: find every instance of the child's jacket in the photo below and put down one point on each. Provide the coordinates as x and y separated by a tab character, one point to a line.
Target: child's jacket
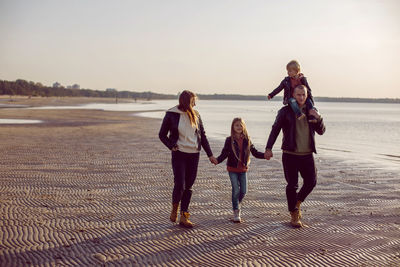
287	93
227	152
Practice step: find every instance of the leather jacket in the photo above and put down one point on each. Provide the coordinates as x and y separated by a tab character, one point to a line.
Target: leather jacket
286	120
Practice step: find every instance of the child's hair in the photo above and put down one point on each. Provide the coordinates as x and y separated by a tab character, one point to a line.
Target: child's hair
245	135
185	98
293	64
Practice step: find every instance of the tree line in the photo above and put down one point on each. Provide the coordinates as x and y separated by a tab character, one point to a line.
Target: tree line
25	88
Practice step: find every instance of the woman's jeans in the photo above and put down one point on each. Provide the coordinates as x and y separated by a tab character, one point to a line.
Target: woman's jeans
295	107
239	187
184	166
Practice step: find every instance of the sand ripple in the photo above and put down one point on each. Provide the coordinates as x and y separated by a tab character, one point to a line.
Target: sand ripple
97	191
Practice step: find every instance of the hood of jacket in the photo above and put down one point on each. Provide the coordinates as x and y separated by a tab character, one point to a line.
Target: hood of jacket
176	110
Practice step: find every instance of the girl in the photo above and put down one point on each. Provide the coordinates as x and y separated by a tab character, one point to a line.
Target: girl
185	139
237	148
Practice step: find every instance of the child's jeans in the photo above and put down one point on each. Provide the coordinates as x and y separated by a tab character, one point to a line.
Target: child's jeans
239	187
295	107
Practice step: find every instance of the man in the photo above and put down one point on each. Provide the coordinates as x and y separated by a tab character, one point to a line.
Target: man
298	146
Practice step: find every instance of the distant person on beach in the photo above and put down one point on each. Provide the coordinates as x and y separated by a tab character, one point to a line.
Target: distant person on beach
185	139
237	149
298	146
295	78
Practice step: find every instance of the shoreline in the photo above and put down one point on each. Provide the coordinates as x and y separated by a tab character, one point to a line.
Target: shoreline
92	187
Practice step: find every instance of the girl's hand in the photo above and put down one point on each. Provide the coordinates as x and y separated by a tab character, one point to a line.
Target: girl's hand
268	154
269	97
175	148
213	160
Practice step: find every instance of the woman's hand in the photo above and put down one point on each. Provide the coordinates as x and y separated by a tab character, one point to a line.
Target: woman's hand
213	160
268	154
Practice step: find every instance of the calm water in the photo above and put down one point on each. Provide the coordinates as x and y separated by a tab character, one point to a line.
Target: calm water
366	134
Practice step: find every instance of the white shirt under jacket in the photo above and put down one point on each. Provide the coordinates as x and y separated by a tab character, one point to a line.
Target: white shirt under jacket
187	141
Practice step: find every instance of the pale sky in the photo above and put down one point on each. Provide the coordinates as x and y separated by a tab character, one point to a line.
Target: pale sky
347	48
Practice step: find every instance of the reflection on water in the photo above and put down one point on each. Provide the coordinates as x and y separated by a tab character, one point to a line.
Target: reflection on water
18	121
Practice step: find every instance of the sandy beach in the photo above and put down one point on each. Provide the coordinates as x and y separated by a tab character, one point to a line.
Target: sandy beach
93	188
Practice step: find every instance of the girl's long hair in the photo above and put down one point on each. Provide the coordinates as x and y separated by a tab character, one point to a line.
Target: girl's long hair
185	98
245	134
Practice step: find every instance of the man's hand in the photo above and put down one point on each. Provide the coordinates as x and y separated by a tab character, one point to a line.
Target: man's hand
268	154
213	160
315	113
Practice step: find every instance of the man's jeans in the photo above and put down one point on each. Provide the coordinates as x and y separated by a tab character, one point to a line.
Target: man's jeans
239	187
292	165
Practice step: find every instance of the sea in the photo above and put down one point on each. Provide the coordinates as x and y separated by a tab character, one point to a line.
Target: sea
364	134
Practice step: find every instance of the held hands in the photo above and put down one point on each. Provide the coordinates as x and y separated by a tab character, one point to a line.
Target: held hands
268	154
213	160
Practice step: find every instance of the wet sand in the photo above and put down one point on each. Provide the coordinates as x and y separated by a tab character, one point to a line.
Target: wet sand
90	187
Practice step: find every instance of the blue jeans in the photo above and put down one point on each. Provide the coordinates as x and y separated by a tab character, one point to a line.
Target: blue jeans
239	187
295	107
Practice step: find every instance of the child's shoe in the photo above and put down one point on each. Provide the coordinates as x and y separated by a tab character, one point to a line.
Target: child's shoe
184	220
302	116
312	119
236	216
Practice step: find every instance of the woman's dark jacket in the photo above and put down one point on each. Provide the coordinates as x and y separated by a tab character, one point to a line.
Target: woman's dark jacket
286	120
285	84
170	124
228	152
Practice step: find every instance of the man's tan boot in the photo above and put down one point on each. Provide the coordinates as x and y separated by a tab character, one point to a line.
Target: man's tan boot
174	212
184	220
298	207
295	221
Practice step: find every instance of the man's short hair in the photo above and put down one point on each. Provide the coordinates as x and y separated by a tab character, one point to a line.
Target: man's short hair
301	86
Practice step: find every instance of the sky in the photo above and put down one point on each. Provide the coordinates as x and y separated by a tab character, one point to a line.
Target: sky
346	48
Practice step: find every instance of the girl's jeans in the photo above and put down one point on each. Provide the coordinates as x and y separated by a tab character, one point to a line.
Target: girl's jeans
239	187
295	107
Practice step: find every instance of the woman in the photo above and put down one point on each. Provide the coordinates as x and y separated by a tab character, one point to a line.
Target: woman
185	139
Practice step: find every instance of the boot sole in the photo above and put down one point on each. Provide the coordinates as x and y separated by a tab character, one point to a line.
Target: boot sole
186	226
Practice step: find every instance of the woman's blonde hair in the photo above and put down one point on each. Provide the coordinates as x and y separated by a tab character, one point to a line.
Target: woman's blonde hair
185	100
293	64
245	134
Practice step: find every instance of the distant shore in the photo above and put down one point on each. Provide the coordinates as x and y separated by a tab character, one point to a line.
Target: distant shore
151	96
93	187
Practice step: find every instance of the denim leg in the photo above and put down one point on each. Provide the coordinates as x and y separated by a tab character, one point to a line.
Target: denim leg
234	176
178	168
192	162
295	107
243	185
309	104
309	174
290	168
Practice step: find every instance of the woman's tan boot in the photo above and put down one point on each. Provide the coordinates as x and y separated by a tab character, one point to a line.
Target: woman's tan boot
295	220
298	207
174	212
184	220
